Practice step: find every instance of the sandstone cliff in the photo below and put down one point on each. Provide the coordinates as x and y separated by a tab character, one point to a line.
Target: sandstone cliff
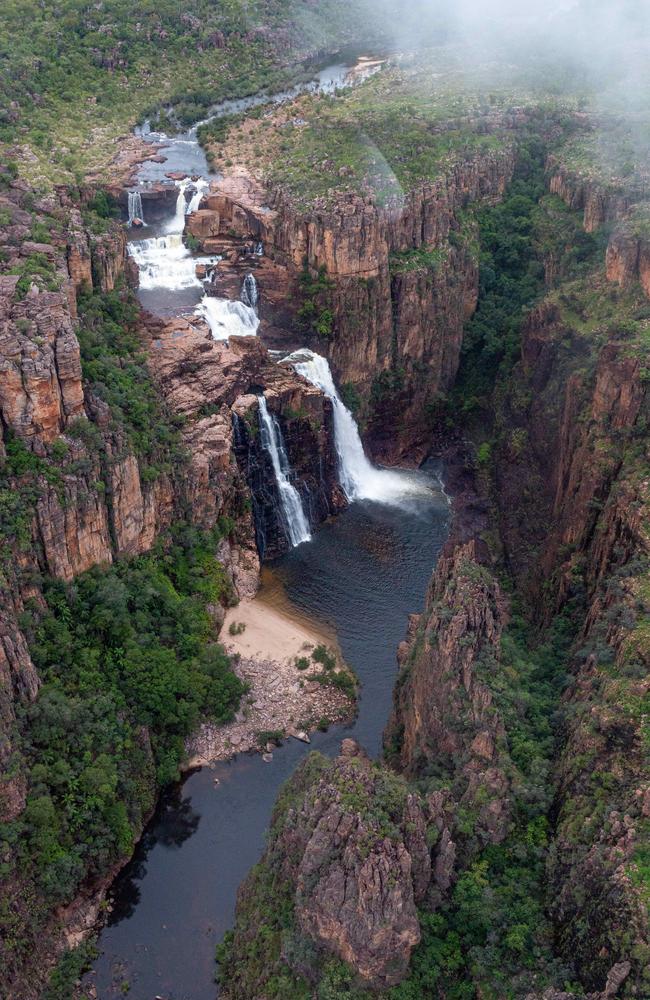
397	289
99	457
345	866
572	510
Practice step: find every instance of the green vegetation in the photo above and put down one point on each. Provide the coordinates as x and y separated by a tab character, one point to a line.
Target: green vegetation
24	477
129	667
492	935
273	736
517	237
315	315
69	970
420	259
114	368
329	676
36	269
77	75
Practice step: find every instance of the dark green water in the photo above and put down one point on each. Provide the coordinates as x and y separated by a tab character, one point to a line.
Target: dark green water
362	573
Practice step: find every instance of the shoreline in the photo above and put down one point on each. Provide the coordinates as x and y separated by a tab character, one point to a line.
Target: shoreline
290	692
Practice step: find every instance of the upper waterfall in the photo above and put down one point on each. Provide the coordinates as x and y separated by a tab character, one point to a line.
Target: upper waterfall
177	222
164	262
200	187
293	515
136	212
360	479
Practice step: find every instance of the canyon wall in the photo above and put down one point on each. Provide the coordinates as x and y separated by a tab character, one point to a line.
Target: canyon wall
521	698
395	286
89	482
580	482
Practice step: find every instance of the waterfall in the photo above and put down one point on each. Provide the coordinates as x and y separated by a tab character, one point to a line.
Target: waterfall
200	187
177	224
293	515
164	262
358	476
228	318
249	293
135	208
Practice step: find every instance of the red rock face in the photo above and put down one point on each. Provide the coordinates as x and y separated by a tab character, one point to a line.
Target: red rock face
444	710
628	259
380	315
598	203
195	372
571	510
40	368
354	886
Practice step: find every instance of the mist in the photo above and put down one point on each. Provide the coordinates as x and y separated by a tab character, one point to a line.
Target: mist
597	46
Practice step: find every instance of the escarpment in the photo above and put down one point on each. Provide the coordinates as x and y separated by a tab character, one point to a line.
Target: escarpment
383	291
445	716
584	465
521	697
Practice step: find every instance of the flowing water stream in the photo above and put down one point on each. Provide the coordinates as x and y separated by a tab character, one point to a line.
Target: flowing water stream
360	574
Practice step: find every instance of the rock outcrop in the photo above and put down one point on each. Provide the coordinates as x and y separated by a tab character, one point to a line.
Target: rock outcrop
198	374
572	509
444	707
348	847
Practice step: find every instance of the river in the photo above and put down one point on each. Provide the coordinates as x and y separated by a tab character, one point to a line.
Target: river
361	574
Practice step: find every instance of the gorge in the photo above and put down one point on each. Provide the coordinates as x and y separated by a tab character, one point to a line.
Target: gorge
235	372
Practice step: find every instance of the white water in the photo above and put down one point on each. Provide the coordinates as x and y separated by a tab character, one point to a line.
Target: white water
249	293
164	262
358	476
293	514
228	318
135	207
177	223
200	187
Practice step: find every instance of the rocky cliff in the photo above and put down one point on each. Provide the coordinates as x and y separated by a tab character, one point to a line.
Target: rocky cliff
396	283
115	428
581	482
522	687
346	864
198	375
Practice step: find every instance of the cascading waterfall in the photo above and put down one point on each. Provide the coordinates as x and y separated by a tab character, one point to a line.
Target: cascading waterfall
293	515
177	224
135	208
228	317
200	187
358	476
249	294
164	262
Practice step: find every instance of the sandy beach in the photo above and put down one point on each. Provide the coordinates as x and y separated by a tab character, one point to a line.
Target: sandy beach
272	645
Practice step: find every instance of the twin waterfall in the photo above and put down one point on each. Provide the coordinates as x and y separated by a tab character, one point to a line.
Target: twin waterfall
293	515
358	476
164	262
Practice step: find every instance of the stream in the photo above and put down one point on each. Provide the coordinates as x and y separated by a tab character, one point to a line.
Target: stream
360	574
